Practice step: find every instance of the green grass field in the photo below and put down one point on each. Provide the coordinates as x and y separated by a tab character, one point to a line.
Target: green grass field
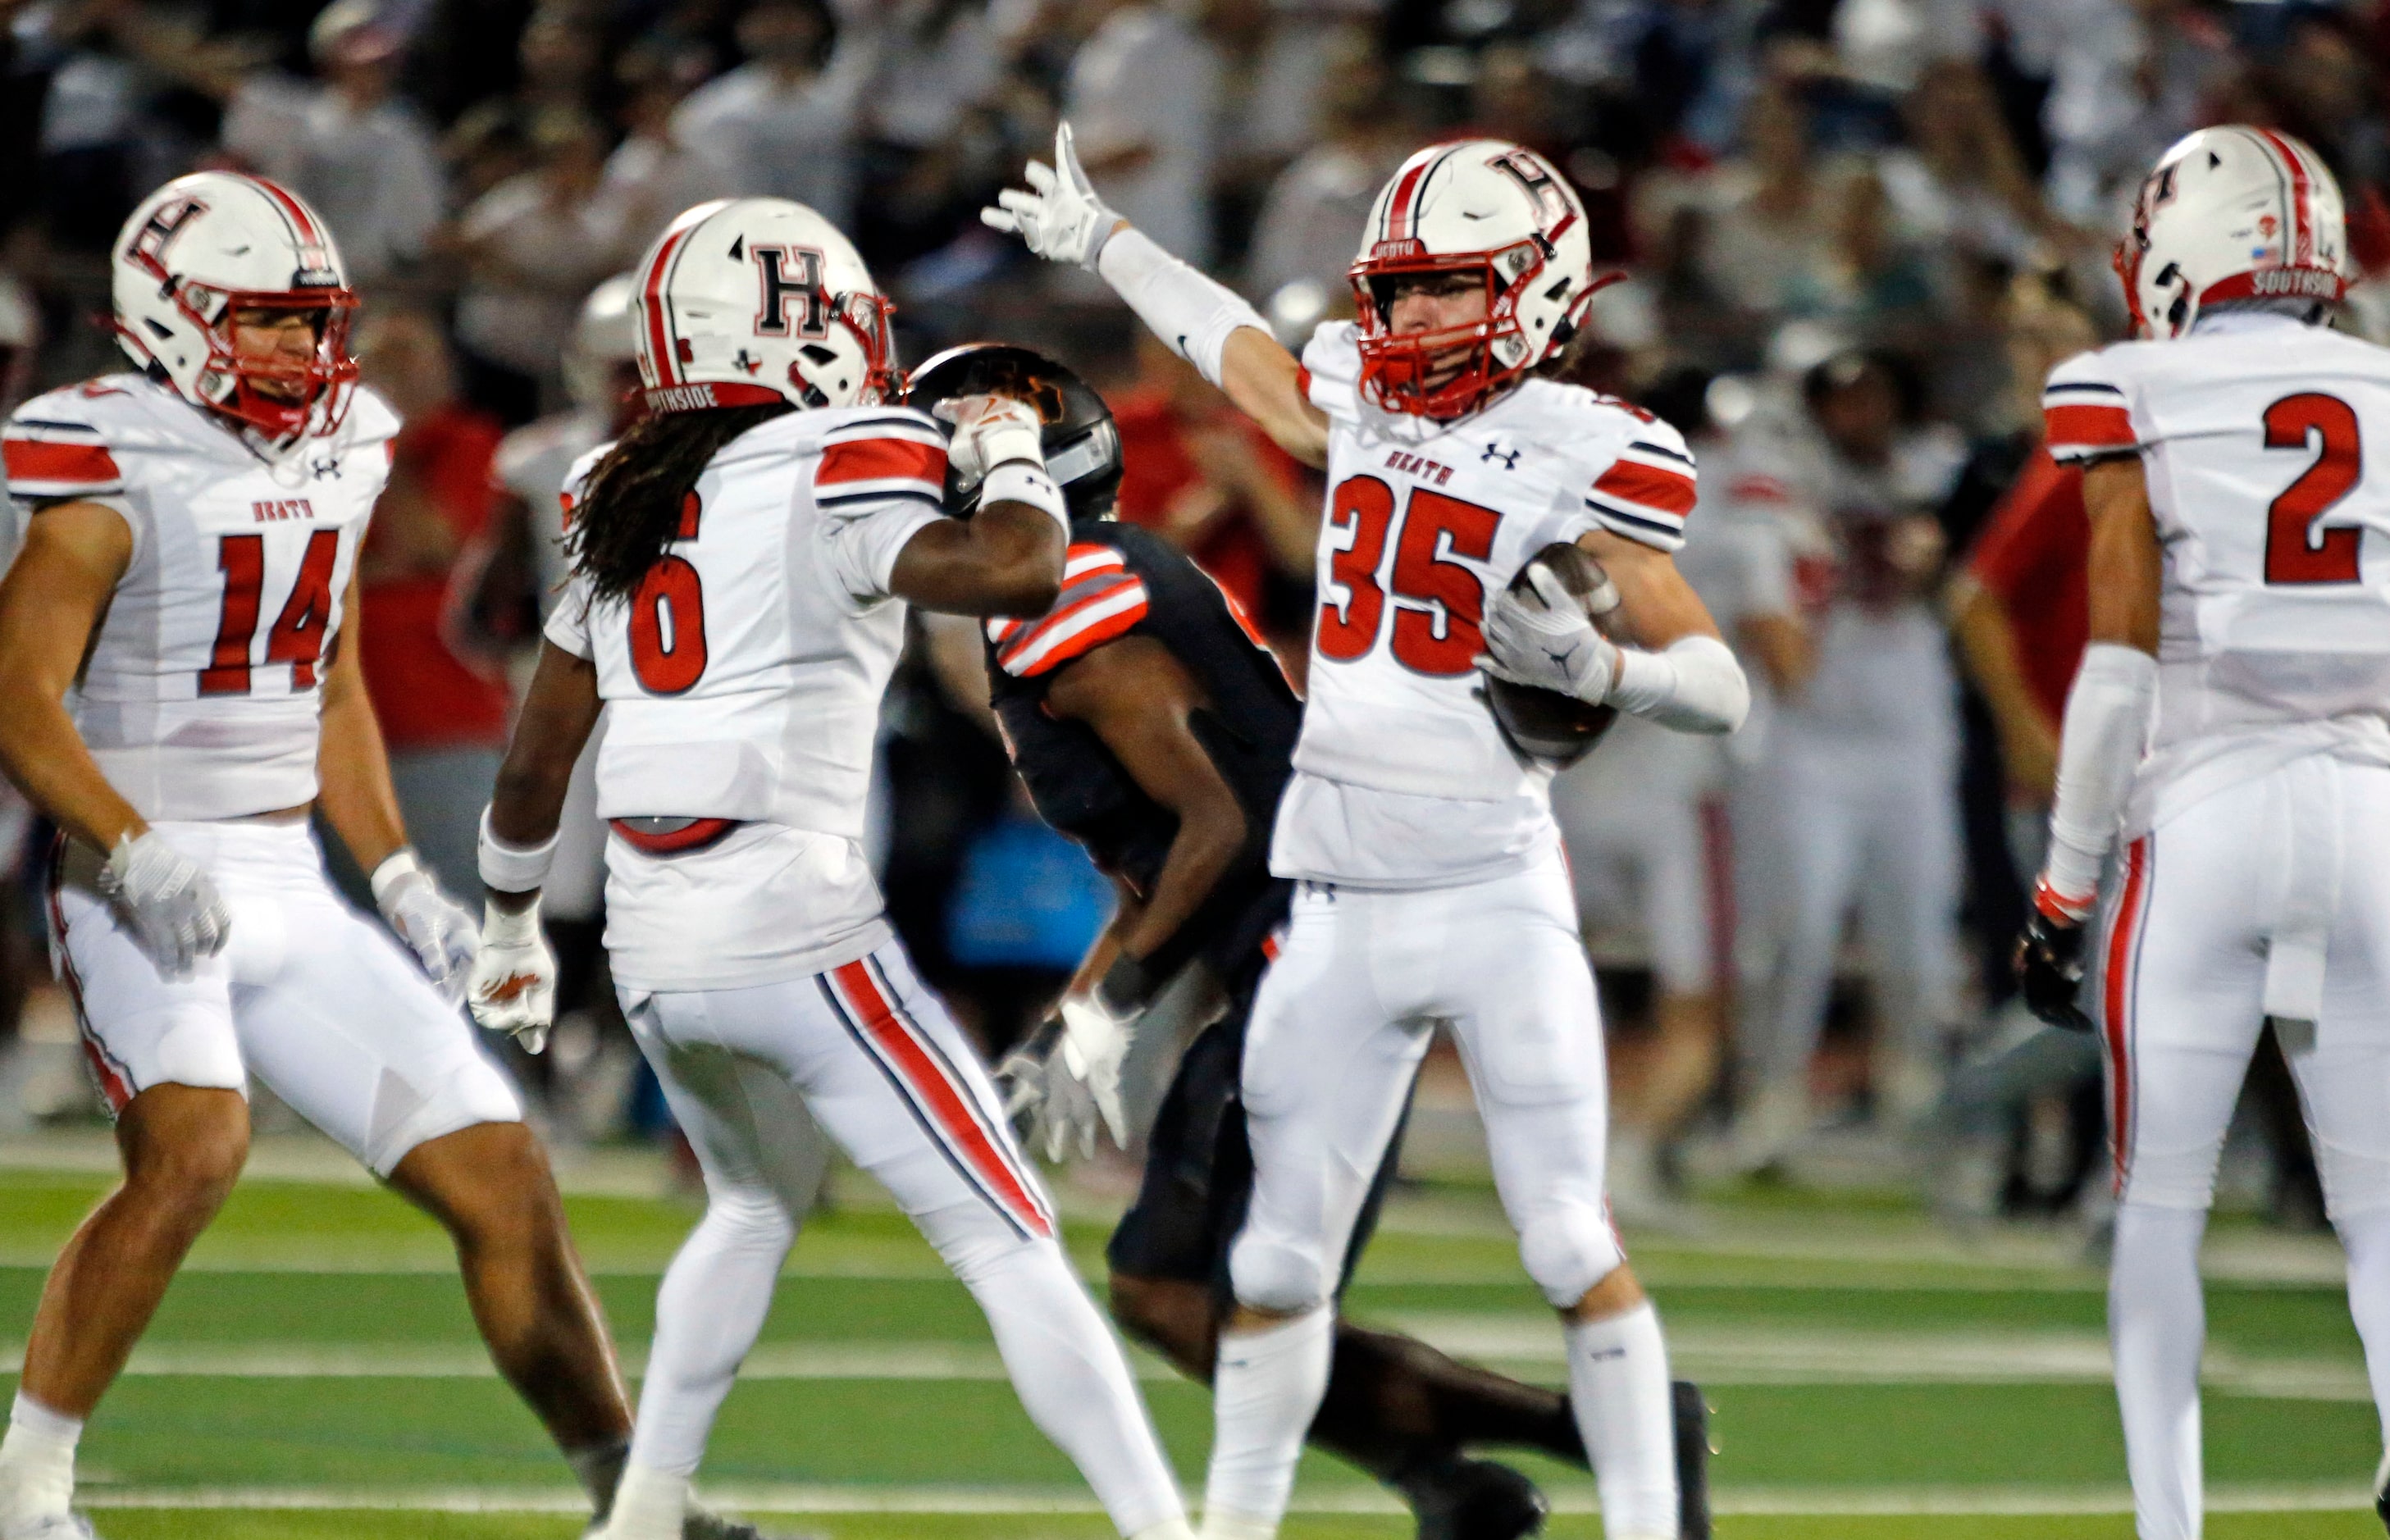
315	1374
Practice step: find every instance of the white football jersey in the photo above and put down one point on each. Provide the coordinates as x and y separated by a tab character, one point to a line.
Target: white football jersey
2275	627
201	696
742	680
1402	778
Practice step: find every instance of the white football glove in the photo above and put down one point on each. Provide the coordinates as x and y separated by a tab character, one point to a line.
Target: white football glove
989	431
1060	218
1062	1087
514	976
439	930
1546	640
170	903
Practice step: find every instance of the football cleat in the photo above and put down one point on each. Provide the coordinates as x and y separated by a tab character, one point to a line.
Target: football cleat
1458	1498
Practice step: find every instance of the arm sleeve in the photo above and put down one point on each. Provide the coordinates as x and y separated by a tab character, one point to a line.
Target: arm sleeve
2087	411
880	479
2107	730
1647	492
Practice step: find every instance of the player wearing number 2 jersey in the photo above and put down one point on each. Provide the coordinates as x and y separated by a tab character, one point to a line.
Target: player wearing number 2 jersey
2230	726
178	685
1431	886
742	563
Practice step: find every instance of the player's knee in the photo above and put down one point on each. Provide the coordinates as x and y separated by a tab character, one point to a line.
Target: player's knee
748	1218
1568	1248
1282	1276
2171	1180
188	1163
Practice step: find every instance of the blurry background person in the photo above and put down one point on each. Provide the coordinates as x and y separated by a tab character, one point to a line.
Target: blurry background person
785	123
1143	98
442	707
1865	760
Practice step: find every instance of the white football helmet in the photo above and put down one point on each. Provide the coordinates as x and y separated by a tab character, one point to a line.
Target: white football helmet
214	242
750	300
2233	213
1483	206
605	333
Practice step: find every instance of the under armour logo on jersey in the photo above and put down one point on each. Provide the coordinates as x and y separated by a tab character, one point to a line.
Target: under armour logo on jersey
790	272
1509	458
327	468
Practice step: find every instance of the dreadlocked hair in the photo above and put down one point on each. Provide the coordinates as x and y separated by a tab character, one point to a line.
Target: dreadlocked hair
630	509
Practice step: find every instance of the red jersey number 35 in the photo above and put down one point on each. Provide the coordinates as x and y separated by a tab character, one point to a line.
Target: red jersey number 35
1439	601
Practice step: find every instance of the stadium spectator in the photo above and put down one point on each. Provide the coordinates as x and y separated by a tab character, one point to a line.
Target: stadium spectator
444	714
362	155
1311	222
533	246
1865	758
785	123
1143	100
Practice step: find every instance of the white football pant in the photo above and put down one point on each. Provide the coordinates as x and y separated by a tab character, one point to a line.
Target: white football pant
2276	876
872	1056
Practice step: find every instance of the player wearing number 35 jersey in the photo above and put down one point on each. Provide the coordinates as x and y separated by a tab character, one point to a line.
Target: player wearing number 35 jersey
2231	729
1431	886
178	688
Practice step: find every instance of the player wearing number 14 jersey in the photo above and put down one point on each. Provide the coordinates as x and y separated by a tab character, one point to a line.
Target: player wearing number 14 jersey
1431	883
2229	727
178	686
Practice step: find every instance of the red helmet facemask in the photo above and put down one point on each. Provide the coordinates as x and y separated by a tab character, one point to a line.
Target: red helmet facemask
1400	370
295	389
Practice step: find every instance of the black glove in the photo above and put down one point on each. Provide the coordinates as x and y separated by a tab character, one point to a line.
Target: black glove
2049	971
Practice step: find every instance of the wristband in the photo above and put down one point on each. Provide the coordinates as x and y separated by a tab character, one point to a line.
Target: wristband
513	868
1127	986
1019	481
2057	907
396	867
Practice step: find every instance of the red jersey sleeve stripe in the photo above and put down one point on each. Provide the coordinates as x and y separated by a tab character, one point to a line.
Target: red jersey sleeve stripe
1652	487
58	465
1076	629
2080	426
882	460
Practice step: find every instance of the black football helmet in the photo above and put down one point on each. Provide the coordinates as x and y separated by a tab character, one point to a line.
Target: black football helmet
1082	448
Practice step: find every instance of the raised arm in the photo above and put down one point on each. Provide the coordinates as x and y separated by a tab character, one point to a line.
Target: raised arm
1061	218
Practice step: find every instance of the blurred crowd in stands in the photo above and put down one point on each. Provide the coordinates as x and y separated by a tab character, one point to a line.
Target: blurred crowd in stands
1858	232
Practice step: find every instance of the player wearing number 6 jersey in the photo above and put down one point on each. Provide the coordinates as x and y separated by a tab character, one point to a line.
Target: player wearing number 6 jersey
2231	725
1431	882
178	686
743	559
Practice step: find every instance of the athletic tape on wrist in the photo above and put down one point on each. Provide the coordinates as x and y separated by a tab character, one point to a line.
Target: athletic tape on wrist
395	868
1019	481
513	868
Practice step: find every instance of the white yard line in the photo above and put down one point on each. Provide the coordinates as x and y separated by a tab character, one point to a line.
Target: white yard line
1527	1343
1884	1501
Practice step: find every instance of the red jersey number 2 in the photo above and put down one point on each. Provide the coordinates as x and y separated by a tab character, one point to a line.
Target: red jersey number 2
297	634
1435	528
2299	546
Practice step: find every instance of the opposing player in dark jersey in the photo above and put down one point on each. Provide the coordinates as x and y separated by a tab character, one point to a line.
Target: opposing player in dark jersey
1148	723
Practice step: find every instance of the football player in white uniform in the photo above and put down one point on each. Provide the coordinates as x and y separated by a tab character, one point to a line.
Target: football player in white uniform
1432	886
172	698
743	559
2230	725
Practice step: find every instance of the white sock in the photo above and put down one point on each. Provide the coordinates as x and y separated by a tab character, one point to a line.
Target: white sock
36	1462
2157	1324
650	1505
1073	1381
2366	1238
1264	1395
1618	1387
1169	1529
